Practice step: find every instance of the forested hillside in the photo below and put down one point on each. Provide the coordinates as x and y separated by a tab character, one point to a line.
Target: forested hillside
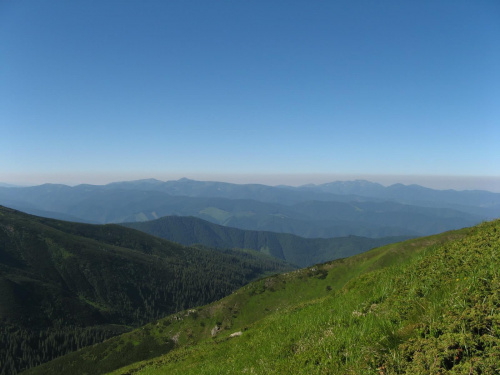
66	285
294	249
424	306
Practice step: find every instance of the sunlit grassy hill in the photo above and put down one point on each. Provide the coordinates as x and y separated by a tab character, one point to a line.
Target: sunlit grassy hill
424	306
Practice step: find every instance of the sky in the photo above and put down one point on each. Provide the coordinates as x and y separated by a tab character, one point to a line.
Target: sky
257	91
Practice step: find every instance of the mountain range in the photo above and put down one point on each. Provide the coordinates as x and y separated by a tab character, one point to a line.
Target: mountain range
336	209
67	286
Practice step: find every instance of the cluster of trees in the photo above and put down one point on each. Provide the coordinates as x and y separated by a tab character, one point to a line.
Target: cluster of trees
25	347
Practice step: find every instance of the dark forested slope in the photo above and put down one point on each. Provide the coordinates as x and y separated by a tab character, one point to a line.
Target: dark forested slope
62	284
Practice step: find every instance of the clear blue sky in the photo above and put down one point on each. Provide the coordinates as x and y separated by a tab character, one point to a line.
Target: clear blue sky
96	91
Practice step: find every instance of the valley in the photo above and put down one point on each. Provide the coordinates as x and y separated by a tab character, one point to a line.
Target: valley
296	250
107	276
65	285
249	187
429	305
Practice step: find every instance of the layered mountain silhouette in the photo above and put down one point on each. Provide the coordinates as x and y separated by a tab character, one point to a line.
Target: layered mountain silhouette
291	248
330	210
66	285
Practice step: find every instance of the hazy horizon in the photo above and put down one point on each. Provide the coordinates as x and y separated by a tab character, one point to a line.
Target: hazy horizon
488	183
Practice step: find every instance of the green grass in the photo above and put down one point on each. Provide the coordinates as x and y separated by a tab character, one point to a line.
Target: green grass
423	306
430	306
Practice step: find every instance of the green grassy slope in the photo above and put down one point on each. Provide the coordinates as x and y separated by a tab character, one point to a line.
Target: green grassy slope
67	285
429	305
294	249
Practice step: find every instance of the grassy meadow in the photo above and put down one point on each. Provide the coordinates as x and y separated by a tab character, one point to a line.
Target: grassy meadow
423	306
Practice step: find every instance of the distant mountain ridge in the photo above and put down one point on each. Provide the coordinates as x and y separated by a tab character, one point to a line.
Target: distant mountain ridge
215	189
293	249
412	194
336	209
332	191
